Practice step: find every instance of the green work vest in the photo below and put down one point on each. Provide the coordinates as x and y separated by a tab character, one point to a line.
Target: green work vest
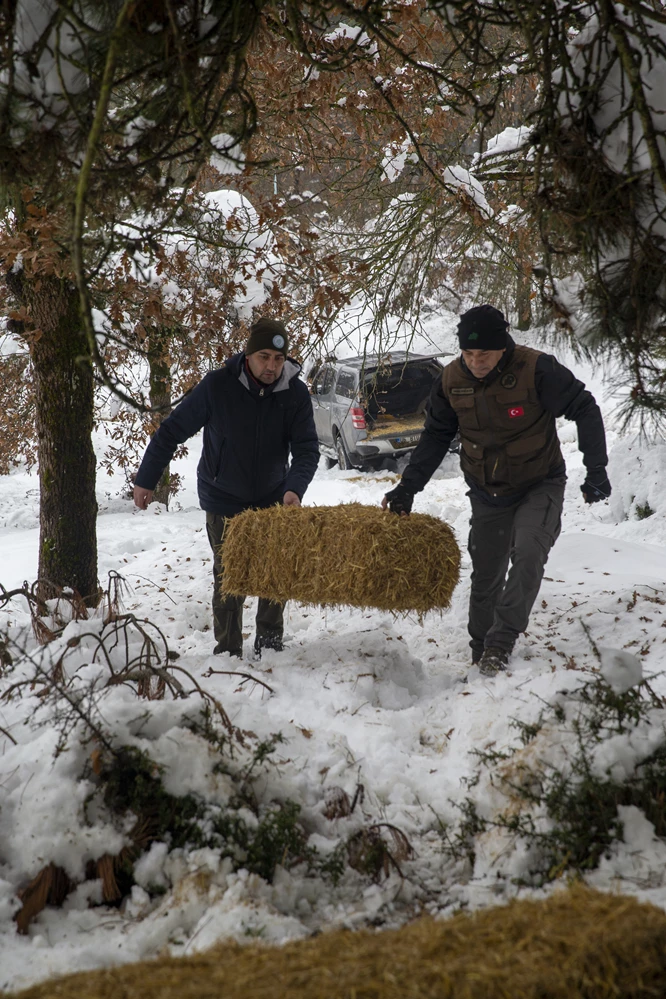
509	441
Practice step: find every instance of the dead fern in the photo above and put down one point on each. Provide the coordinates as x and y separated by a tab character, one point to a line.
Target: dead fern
371	854
49	888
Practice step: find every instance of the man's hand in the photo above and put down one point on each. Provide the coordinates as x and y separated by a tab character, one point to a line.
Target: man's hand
399	500
291	499
596	486
142	497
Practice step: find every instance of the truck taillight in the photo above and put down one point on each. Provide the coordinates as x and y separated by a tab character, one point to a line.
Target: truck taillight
358	417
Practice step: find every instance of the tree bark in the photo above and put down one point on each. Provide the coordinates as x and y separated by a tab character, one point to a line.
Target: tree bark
160	396
64	420
524	302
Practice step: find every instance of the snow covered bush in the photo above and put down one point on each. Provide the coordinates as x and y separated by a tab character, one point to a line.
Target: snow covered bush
121	763
556	801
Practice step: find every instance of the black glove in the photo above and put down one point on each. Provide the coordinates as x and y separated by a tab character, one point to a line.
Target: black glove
400	499
596	486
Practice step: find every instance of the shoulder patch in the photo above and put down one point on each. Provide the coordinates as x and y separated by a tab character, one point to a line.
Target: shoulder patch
508	381
462	390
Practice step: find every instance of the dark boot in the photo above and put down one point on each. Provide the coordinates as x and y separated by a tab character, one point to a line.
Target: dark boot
268	641
227	608
270	626
494	661
221	648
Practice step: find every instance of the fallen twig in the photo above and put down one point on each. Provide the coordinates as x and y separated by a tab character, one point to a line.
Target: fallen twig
239	673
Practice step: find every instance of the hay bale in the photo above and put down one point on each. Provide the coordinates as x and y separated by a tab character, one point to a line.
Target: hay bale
348	554
577	943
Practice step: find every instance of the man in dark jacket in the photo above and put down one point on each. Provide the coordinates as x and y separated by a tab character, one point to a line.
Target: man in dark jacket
505	398
254	412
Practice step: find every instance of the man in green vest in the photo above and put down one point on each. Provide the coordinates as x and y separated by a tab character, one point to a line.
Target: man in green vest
504	399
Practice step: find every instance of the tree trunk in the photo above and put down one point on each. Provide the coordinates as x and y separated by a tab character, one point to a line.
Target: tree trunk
524	301
64	420
160	395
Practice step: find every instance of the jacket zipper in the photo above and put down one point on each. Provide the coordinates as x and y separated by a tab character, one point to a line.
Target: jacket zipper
255	458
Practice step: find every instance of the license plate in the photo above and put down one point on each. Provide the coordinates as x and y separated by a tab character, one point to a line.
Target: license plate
406	439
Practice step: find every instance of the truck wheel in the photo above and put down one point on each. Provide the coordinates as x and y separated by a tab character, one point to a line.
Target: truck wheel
343	458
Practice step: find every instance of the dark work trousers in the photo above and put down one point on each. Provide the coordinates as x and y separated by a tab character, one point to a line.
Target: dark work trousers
524	533
228	610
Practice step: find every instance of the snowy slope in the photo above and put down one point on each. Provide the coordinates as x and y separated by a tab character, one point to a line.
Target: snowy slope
358	696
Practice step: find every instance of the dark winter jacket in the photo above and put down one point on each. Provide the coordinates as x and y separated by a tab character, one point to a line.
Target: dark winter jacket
249	431
556	392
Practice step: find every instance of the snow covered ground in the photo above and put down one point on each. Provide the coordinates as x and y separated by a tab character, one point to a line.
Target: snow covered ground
360	697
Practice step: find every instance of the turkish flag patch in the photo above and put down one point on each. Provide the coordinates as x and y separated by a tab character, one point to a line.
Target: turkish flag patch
516	411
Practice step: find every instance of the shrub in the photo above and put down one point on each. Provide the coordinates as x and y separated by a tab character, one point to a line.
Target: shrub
566	777
69	683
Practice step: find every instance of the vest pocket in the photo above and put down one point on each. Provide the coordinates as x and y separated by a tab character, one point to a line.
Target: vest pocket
471	459
465	407
526	459
511	410
523	447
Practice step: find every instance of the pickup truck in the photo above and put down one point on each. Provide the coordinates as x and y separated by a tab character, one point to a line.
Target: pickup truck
368	409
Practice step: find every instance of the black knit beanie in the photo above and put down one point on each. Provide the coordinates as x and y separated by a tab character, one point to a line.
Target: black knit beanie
267	335
482	328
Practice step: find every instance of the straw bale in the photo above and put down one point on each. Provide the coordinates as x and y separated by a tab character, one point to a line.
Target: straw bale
577	943
344	555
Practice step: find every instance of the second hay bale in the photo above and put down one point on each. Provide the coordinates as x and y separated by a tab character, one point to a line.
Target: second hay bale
348	554
578	943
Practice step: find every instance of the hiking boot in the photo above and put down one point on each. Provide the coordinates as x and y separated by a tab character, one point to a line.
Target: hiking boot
268	641
493	661
476	656
219	648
